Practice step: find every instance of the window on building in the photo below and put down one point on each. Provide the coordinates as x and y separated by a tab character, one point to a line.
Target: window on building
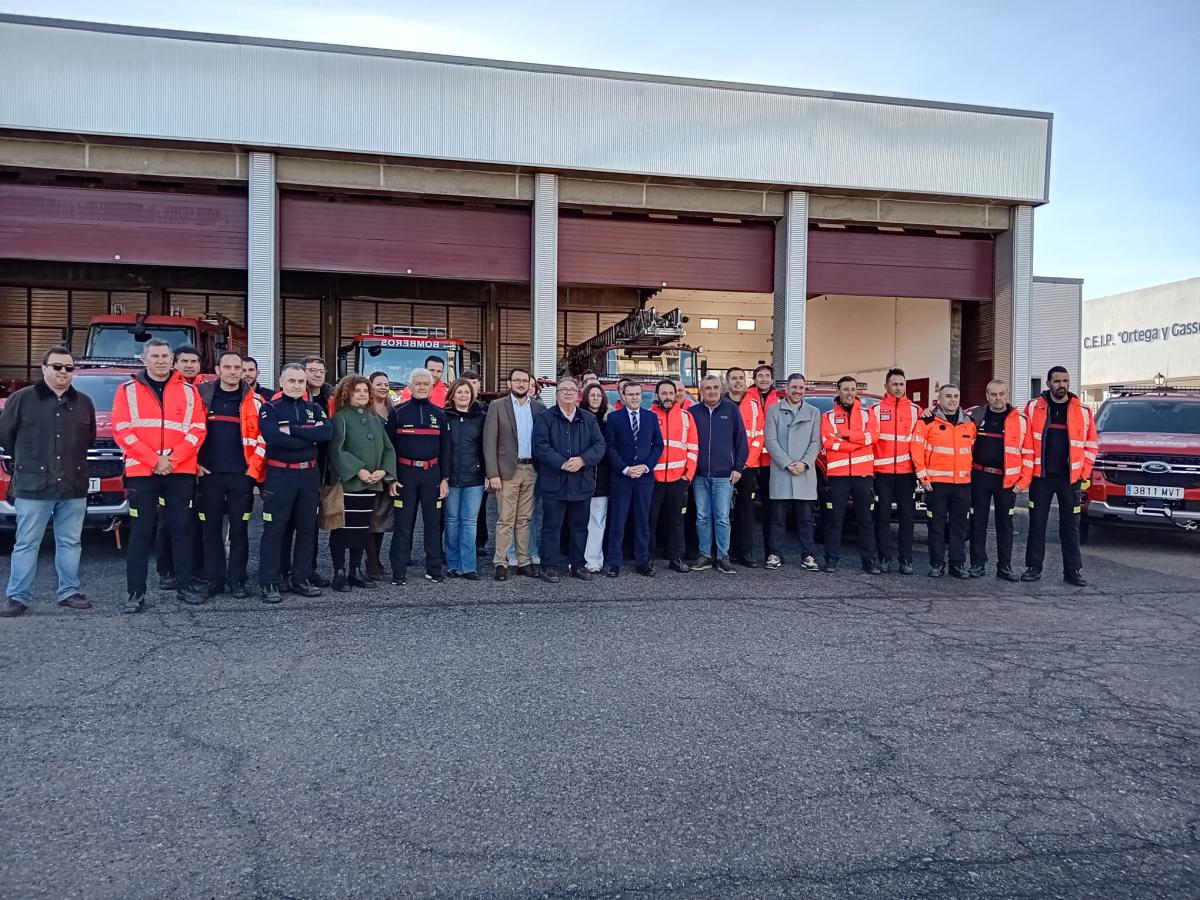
1035	386
745	324
710	324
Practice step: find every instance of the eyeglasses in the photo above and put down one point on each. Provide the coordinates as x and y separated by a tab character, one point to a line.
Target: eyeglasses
61	367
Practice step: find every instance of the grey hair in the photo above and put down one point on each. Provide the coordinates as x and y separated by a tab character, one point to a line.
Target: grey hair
292	367
419	373
568	380
716	378
998	381
949	385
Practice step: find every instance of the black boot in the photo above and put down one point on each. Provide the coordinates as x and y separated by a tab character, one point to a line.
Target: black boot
339	581
359	579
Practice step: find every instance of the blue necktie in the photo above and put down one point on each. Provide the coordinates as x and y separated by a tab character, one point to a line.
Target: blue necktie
633	422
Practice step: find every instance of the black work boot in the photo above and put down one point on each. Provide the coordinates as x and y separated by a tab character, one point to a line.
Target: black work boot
359	579
134	603
305	589
339	581
1031	574
270	594
1005	573
1075	577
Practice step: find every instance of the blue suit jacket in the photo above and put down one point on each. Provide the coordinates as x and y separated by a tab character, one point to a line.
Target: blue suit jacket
622	452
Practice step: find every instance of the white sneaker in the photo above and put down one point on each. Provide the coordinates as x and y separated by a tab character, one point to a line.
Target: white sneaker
774	562
810	564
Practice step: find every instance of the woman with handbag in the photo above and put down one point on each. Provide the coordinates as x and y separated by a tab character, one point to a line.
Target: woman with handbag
382	401
464	479
363	462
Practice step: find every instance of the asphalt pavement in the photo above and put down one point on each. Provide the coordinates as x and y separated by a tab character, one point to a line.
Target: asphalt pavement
767	734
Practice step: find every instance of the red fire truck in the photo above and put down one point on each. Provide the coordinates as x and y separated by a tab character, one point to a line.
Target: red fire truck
120	338
644	347
398	349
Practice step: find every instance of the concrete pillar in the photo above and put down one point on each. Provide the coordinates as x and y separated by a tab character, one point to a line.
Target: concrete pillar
263	318
544	278
791	284
1014	304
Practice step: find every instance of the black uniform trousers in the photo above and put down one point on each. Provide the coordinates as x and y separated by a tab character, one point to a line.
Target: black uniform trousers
290	499
145	493
988	491
629	504
168	546
900	489
741	519
418	491
839	491
222	495
949	509
574	514
668	512
1041	492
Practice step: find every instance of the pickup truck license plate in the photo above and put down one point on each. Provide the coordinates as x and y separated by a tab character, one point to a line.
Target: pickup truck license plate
1149	490
93	485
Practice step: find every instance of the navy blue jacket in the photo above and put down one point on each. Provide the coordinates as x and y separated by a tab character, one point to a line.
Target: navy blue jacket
294	428
555	440
621	450
418	431
722	438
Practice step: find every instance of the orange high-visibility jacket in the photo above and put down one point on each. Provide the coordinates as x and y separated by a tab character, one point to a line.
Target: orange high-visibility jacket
773	397
896	421
254	447
1018	461
682	449
145	429
1081	436
848	440
943	451
754	417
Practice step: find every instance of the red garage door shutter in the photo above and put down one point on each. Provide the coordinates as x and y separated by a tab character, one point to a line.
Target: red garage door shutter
644	253
899	265
347	235
98	225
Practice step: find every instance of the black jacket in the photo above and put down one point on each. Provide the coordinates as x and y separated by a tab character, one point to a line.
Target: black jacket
603	473
463	466
417	429
555	440
48	438
294	428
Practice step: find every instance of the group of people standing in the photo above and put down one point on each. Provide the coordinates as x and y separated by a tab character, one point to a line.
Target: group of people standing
578	486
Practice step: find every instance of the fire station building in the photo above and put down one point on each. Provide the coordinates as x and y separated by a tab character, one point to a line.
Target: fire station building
310	191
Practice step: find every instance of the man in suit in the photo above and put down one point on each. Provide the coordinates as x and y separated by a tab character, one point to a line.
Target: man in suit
635	443
508	464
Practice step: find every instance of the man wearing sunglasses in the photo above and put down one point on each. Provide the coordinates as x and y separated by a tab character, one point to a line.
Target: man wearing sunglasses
46	429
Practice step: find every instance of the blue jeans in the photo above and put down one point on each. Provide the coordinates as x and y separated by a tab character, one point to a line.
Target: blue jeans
462	521
714	496
32	518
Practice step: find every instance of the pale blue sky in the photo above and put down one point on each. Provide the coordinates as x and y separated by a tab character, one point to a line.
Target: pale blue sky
1121	78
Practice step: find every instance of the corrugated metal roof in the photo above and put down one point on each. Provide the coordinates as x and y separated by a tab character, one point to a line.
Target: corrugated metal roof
145	83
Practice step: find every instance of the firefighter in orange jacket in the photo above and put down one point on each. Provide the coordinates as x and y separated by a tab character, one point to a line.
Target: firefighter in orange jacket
942	454
674	472
896	418
232	460
754	420
167	545
158	421
768	395
848	439
1061	440
1000	467
436	366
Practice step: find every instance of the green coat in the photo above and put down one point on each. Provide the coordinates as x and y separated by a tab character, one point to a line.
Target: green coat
360	441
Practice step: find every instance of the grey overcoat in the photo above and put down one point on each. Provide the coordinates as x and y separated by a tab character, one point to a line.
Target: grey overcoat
793	435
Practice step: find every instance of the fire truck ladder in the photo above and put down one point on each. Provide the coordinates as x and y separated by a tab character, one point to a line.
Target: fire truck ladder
644	326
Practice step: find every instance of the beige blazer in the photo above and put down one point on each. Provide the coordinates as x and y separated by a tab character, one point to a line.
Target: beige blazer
500	437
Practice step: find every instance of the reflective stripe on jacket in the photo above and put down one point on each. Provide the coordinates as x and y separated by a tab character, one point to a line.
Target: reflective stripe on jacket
943	451
754	417
145	429
1082	442
681	449
1018	459
254	448
848	439
896	422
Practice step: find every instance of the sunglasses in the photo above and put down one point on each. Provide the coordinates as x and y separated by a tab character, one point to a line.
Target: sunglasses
61	367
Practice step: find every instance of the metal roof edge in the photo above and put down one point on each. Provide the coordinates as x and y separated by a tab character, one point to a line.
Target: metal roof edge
1050	279
174	34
